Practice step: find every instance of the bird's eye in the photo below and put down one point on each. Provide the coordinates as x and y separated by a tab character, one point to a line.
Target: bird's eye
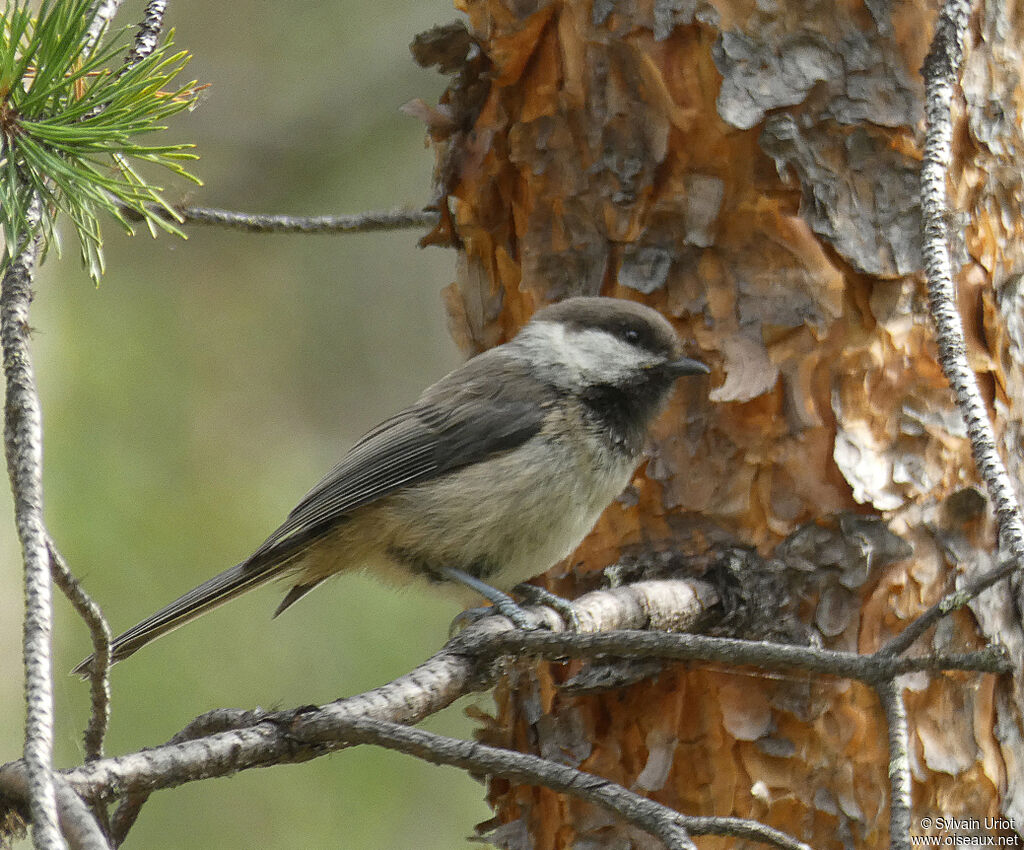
632	336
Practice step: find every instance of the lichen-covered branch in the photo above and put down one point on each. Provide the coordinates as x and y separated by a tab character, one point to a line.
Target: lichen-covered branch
76	822
941	74
23	443
521	768
228	740
99	633
102	12
219	720
251	739
148	33
761	654
891	695
399	219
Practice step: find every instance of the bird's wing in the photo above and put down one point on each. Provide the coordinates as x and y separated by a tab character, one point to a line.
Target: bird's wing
491	408
488	406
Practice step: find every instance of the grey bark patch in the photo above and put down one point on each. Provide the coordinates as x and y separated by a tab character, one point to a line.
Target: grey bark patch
645	268
858	193
668	14
759	76
863	78
874	85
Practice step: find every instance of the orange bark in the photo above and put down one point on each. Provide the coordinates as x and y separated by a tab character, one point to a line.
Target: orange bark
751	170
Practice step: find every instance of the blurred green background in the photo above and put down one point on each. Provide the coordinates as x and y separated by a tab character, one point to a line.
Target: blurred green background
193	397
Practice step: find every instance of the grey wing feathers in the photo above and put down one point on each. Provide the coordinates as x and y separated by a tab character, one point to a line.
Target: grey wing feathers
442	432
396	453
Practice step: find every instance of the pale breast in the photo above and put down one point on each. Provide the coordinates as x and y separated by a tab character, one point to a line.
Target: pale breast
514	516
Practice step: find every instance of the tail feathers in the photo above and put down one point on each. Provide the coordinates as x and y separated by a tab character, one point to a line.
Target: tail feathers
207	596
295	594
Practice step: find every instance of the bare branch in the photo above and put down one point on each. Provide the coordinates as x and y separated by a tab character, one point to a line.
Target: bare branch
219	720
303	740
76	821
946	605
74	818
742	828
24	449
260	738
891	694
766	656
398	219
226	741
941	75
668	825
148	33
99	632
522	768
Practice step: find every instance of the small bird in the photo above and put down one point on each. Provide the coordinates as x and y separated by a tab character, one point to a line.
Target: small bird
495	474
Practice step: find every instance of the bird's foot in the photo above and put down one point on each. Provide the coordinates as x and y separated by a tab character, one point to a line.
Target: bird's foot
520	618
559	604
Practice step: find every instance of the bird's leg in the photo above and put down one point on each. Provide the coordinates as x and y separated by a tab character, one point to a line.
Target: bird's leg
502	602
507	606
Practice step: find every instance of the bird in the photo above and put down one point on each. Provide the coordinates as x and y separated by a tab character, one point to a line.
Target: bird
495	474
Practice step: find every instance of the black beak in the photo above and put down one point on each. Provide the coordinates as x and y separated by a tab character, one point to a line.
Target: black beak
686	366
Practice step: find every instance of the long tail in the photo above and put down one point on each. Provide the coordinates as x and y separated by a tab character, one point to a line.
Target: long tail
209	595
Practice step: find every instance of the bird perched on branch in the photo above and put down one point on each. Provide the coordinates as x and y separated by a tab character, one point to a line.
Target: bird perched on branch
495	474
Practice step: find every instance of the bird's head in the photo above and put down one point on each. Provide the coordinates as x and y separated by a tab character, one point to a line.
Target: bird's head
587	342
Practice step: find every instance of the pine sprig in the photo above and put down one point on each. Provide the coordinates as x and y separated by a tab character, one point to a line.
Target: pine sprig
71	122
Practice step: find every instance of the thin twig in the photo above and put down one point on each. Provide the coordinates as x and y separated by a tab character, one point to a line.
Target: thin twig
891	694
24	449
522	768
398	219
946	605
148	33
99	632
941	76
766	656
741	828
668	825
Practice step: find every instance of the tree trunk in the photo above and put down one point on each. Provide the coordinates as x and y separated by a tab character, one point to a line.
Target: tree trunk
751	169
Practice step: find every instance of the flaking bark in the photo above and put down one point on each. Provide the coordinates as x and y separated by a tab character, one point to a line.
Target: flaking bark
752	171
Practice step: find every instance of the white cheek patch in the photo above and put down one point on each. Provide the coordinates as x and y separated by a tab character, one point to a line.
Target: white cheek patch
585	356
596	353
